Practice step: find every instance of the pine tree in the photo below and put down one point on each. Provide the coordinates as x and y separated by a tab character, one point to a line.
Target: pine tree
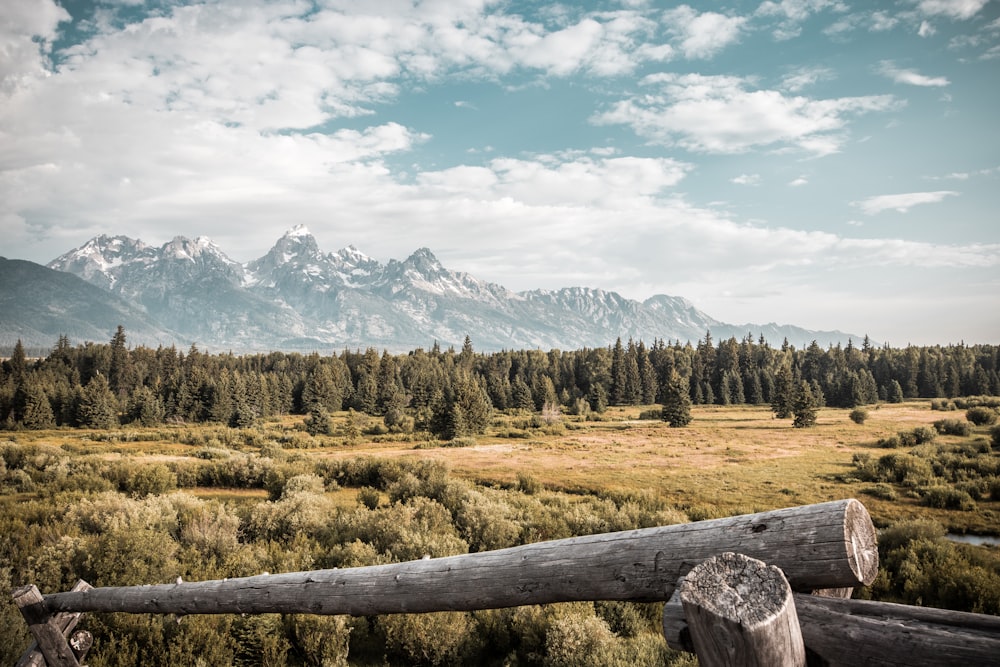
647	375
17	364
894	394
464	410
320	391
121	373
37	411
804	406
318	422
390	388
598	398
521	395
784	393
677	402
145	408
97	407
618	373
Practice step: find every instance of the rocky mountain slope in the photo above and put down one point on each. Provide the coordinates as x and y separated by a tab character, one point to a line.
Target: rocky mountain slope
299	297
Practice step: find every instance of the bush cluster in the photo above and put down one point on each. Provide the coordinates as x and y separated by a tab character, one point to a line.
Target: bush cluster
918	566
123	522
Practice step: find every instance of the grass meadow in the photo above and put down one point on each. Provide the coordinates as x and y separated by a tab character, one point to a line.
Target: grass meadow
142	505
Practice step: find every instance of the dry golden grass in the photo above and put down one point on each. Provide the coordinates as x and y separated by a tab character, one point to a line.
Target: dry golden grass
728	460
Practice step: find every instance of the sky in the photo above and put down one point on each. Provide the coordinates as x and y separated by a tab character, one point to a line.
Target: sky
833	164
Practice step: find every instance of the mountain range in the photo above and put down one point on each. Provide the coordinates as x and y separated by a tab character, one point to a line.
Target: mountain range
299	298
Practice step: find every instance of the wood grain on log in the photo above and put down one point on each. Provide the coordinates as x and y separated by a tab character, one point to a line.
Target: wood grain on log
51	641
65	622
827	545
861	632
741	614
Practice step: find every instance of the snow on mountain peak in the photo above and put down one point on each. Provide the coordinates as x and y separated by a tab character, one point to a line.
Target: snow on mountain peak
298	230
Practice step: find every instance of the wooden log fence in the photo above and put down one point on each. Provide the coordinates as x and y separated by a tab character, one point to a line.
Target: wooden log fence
827	547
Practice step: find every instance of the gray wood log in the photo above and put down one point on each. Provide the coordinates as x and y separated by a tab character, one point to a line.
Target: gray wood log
51	641
860	632
65	621
827	545
741	614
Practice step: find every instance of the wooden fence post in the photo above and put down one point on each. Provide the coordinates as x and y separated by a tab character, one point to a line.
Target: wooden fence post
51	641
65	622
741	614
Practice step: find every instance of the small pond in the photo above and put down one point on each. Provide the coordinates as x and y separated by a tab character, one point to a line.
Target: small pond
974	539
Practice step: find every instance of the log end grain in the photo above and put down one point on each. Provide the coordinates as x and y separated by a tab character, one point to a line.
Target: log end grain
740	611
861	541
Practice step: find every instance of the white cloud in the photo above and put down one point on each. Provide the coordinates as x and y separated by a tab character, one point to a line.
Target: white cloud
719	114
926	29
804	77
792	13
27	29
549	181
746	179
798	182
882	21
910	77
702	35
902	203
953	9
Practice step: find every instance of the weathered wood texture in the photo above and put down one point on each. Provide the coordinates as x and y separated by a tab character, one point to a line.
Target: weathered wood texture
51	641
827	545
840	632
65	622
860	632
741	614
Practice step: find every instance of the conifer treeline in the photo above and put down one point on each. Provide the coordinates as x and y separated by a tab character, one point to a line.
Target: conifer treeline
452	392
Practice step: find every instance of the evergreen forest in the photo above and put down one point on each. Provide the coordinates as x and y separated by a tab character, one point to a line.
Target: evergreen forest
451	393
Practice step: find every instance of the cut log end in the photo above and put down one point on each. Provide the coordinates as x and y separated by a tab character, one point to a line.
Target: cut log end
861	541
741	612
739	588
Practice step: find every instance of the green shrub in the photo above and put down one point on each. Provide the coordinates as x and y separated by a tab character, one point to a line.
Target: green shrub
441	638
890	442
369	497
146	480
952	427
981	415
881	491
906	469
526	483
859	415
995	437
576	640
945	497
322	640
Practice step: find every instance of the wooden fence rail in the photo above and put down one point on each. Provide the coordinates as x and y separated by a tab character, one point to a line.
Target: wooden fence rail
817	546
824	546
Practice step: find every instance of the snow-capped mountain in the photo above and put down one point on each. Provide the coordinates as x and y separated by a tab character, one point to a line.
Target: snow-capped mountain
298	297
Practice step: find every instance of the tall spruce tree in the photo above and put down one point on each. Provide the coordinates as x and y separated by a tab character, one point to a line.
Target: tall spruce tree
677	402
804	406
618	374
37	411
97	406
784	393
